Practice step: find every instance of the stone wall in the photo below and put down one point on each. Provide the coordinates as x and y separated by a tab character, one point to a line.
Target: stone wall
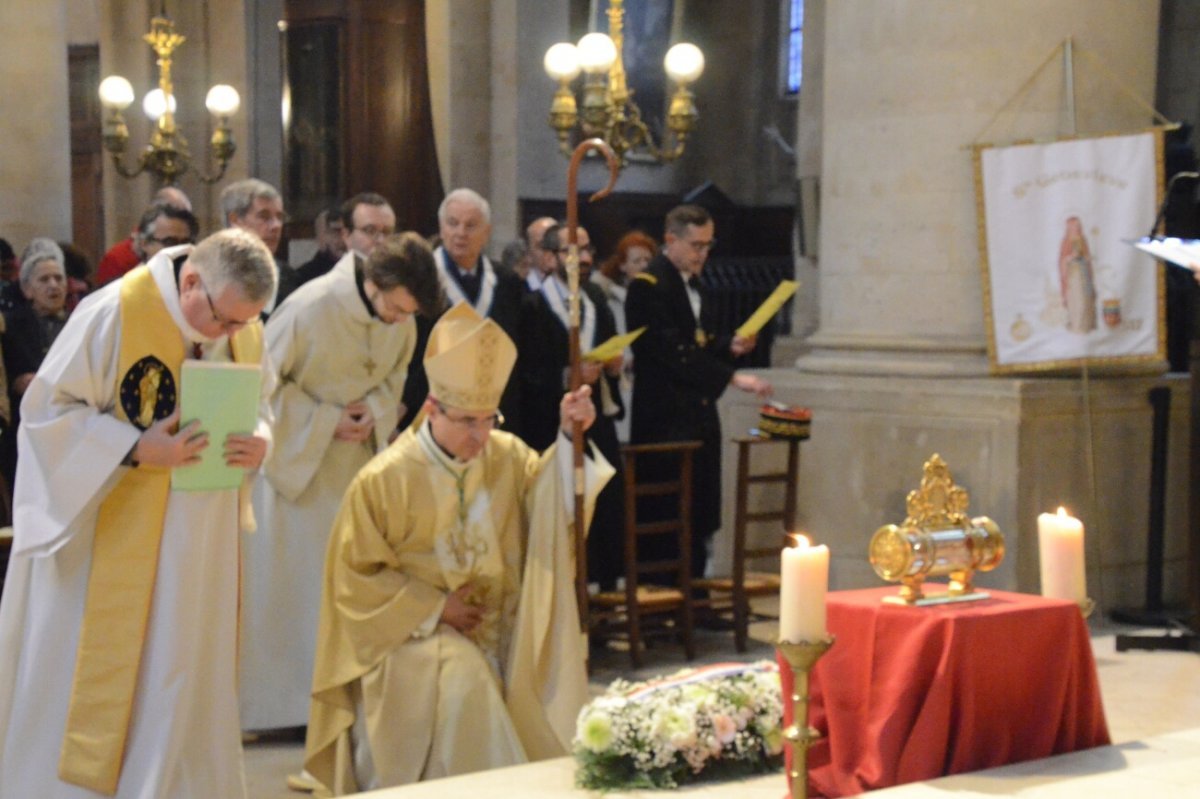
35	167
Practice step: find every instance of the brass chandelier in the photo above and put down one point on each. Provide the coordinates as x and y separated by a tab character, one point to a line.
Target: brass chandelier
609	112
166	156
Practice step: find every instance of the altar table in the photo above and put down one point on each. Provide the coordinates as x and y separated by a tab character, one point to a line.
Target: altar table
913	693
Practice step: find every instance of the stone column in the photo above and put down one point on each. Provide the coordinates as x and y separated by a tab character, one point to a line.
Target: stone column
458	35
35	170
897	369
908	88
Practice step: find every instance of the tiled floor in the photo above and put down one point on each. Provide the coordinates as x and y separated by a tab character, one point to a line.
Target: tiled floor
1145	693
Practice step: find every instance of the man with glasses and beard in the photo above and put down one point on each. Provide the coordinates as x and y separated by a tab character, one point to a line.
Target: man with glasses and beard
162	225
128	253
545	360
449	639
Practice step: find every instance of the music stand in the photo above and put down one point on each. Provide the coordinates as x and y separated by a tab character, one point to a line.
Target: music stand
1179	636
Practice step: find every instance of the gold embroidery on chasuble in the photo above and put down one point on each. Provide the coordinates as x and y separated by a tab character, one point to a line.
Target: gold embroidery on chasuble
468	550
484	389
148	392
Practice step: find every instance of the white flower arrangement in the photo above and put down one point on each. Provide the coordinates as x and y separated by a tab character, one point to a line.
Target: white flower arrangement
717	722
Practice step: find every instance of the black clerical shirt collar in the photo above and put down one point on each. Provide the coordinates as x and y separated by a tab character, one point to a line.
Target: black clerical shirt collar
360	280
178	262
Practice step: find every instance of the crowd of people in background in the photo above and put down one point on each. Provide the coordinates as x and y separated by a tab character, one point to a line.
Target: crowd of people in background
39	289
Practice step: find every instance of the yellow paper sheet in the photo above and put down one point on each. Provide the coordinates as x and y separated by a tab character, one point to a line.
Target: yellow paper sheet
613	347
771	305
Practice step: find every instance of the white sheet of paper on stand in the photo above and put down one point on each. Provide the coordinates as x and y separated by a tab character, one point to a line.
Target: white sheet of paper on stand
1184	253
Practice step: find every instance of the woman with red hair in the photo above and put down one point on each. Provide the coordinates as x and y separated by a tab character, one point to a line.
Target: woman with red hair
633	253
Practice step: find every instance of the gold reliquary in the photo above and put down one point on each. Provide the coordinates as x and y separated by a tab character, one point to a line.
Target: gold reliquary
937	539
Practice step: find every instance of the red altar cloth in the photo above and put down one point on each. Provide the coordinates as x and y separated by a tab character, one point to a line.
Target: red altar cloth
914	693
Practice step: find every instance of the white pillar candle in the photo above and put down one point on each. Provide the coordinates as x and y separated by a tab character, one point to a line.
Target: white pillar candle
804	577
1060	548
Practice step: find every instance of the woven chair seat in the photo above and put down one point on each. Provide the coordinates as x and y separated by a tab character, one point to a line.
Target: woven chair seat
648	596
756	583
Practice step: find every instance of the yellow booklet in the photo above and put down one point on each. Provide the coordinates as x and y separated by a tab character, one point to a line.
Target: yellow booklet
770	306
224	397
613	347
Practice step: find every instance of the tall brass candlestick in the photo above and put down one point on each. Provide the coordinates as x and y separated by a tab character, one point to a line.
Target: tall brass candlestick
801	656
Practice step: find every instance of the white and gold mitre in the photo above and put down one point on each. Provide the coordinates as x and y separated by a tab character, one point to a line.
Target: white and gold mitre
468	360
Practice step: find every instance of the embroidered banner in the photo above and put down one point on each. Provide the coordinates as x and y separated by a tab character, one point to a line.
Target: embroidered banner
1062	287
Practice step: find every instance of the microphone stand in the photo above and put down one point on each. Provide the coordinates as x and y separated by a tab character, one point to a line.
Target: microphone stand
1162	209
1179	636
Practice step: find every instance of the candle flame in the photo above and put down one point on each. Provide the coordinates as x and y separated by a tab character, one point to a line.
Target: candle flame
1062	512
798	541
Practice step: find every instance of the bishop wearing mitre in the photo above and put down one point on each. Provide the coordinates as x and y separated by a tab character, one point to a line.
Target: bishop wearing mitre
448	639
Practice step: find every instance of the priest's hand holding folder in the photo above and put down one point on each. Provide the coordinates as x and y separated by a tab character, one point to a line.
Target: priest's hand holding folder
166	445
246	451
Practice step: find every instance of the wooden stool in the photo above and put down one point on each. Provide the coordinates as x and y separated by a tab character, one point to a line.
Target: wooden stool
729	596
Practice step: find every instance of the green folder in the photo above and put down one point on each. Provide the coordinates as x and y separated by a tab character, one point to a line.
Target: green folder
224	397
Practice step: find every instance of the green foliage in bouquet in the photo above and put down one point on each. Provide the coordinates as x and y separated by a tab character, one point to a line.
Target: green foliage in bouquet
716	723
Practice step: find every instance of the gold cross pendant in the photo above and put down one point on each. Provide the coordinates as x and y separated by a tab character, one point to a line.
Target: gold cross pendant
369	365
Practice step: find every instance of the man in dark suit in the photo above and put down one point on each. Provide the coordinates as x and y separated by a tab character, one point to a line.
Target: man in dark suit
680	368
544	363
468	275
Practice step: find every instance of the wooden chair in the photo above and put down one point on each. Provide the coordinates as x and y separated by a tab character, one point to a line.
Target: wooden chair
647	607
729	596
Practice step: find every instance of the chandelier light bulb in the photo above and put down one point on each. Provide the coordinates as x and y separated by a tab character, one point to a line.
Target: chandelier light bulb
562	62
223	100
116	92
684	63
596	52
154	105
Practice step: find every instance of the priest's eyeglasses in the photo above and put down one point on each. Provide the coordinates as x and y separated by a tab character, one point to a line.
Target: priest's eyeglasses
226	324
472	423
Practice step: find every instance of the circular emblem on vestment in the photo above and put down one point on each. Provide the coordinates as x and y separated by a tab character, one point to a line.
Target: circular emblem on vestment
148	392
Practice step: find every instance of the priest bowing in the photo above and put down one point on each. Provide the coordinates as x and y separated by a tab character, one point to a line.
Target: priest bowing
118	629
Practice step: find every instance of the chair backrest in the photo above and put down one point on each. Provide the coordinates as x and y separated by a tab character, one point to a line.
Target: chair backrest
658	510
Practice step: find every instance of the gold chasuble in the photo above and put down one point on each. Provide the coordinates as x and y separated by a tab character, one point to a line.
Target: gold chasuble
129	530
398	695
